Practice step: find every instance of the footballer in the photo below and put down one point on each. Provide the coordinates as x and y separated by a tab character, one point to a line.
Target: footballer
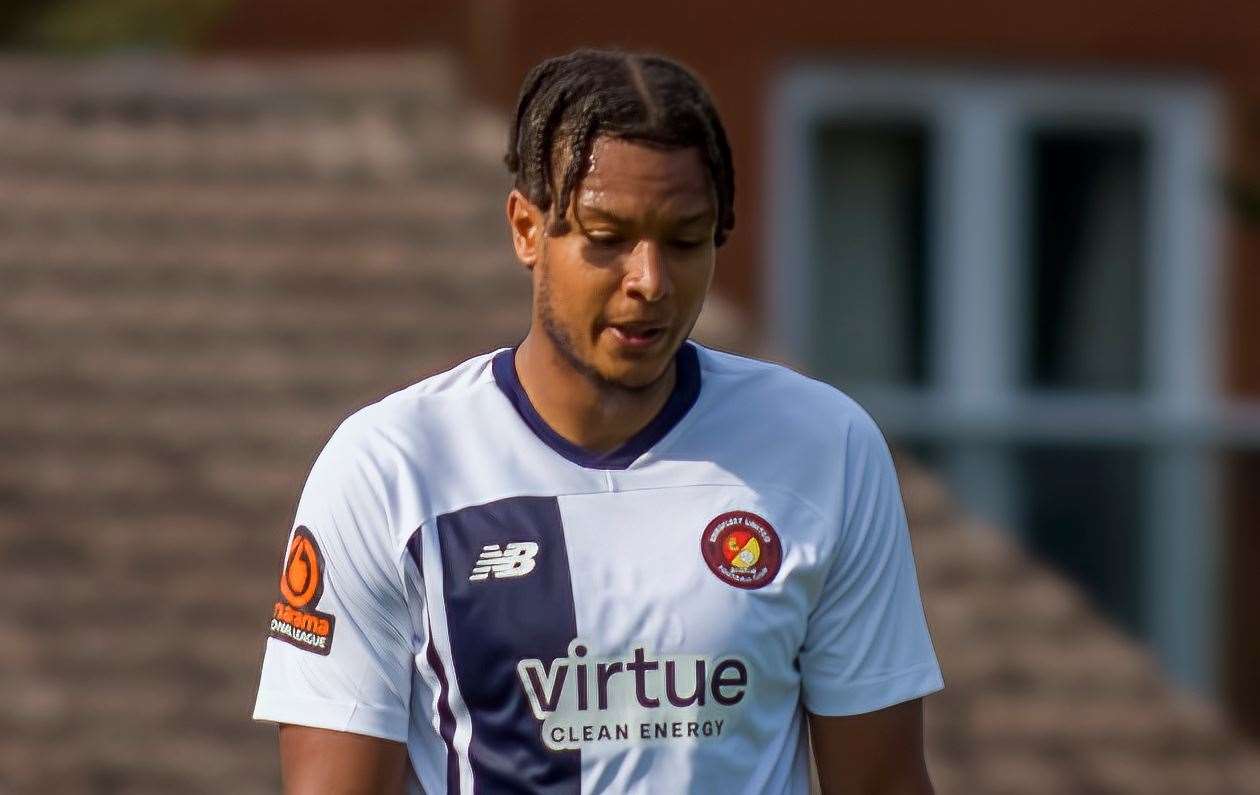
608	559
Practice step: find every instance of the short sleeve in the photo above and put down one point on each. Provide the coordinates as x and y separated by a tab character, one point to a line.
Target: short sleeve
338	652
867	644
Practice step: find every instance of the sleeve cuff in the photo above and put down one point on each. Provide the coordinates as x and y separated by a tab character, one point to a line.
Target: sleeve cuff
872	694
344	716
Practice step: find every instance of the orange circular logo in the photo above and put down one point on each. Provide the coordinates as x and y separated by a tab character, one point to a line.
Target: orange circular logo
301	582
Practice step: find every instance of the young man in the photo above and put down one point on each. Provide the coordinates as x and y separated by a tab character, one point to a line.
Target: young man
608	559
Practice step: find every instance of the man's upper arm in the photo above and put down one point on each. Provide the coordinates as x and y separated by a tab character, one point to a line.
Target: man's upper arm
322	762
871	753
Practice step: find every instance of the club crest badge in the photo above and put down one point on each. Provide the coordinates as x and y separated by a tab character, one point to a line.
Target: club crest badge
742	549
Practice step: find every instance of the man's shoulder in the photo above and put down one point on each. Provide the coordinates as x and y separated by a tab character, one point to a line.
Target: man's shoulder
439	399
469	374
777	392
775	426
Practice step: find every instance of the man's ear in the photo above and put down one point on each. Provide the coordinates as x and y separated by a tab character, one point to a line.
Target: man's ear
526	222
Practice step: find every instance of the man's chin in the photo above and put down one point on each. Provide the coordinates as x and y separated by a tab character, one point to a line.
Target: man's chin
638	374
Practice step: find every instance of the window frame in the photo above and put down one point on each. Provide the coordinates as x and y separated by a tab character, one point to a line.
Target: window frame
977	179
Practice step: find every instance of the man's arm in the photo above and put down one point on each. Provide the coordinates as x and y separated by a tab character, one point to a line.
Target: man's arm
323	762
867	643
337	669
875	753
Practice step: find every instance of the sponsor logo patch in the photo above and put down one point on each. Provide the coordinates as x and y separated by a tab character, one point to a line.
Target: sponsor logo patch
742	549
515	560
294	618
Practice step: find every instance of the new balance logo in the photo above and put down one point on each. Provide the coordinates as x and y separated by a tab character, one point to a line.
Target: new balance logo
516	560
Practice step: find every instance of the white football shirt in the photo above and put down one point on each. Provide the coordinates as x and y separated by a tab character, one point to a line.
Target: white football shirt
529	617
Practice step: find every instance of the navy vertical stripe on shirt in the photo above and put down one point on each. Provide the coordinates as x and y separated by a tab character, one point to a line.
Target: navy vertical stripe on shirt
446	718
497	621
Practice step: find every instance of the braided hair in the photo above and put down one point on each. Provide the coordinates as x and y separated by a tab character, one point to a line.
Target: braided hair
568	101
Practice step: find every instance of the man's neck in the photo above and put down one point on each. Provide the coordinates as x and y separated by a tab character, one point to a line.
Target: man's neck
597	417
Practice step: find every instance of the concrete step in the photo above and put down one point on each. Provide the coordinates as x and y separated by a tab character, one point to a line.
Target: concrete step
424	218
183	87
361	315
372	147
447	201
253	264
239	373
266	423
330	118
316	388
165	475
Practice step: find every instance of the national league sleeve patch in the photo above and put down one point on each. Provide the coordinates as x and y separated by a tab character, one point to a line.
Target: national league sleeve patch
295	619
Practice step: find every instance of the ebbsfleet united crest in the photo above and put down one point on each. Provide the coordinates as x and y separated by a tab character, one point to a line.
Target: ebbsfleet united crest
742	549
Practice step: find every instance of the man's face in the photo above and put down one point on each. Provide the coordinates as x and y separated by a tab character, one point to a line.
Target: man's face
620	291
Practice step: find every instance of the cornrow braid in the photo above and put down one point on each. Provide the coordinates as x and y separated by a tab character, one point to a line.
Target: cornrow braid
533	80
567	102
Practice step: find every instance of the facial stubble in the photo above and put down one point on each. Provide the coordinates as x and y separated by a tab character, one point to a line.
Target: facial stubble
563	343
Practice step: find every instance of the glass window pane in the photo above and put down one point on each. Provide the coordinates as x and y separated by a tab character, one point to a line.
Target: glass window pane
1087	281
1081	510
867	294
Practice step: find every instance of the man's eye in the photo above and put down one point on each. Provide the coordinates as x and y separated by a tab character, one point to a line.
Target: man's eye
611	241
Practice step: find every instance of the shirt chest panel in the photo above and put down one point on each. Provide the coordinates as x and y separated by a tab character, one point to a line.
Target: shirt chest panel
595	621
524	578
656	566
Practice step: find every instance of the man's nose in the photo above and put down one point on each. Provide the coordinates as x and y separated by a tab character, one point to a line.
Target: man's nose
647	275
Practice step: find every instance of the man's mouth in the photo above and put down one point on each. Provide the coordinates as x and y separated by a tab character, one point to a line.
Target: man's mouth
637	335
